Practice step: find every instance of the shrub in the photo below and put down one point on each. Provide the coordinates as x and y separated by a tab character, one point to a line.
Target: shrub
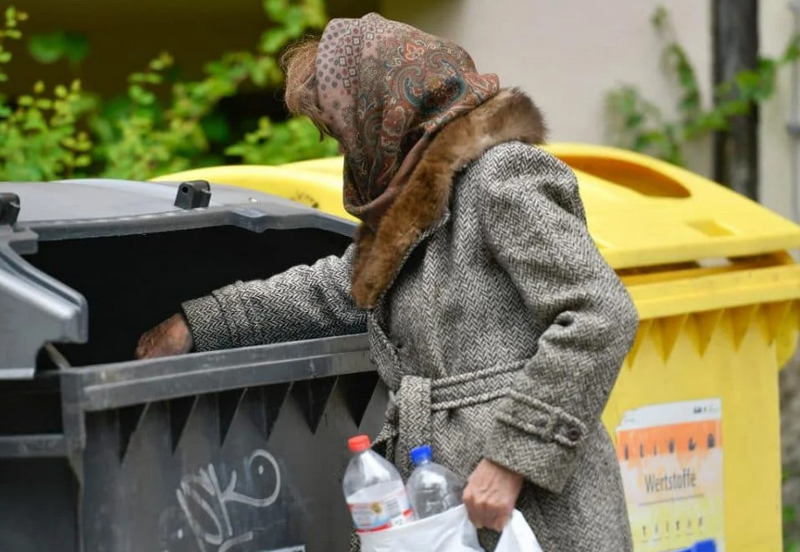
68	132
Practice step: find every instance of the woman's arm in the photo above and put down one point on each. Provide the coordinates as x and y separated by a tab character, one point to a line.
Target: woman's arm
304	302
534	223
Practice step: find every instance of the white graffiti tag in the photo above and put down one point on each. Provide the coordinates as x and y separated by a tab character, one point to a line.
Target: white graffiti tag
204	491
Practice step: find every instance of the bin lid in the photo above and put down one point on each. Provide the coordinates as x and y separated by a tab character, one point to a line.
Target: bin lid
36	309
643	212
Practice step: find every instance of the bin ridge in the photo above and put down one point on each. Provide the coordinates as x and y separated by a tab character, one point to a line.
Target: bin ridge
772	323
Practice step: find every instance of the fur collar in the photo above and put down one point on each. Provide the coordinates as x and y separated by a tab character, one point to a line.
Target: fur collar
424	200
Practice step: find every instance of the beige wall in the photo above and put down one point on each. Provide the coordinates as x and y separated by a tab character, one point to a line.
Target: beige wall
776	24
568	54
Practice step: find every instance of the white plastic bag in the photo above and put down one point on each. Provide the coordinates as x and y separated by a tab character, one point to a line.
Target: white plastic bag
518	536
450	531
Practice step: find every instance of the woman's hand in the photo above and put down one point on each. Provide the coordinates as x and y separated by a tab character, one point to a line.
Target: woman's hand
171	337
491	495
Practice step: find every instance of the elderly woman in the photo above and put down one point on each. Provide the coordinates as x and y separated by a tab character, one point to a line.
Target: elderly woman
492	316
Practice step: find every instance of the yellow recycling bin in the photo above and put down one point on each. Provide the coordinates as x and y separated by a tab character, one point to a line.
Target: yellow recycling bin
695	411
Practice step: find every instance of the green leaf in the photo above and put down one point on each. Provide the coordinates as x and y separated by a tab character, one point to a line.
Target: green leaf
748	79
792	51
276	10
642	142
660	17
5	57
140	95
52	47
273	40
216	128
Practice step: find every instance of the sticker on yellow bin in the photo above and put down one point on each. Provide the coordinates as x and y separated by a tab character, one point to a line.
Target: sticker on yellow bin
671	461
718	296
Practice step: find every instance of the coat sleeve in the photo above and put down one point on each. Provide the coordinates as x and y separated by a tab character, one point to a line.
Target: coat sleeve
304	302
533	220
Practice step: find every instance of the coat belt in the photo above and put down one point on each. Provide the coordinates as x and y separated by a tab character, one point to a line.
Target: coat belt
409	415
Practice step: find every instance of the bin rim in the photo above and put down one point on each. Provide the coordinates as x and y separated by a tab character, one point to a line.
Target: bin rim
57	210
46	310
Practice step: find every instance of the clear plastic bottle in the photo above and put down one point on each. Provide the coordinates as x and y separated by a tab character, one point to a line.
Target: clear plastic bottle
432	488
374	490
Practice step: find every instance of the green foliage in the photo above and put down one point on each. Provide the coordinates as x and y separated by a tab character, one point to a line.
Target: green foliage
272	144
790	521
53	47
790	544
636	123
162	124
39	134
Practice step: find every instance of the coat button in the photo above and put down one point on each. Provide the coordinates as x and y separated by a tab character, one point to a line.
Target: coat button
574	434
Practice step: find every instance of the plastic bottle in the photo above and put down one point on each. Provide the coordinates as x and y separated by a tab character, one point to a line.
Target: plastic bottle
374	490
432	488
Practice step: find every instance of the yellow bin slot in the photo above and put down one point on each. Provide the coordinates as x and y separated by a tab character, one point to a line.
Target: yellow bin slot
677	216
694	413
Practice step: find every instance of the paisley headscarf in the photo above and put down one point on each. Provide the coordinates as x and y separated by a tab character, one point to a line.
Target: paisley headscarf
385	89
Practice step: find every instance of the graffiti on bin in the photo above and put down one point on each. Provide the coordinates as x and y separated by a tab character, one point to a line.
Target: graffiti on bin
203	494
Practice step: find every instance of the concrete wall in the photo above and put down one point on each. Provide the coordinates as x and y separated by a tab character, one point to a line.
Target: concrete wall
566	56
776	24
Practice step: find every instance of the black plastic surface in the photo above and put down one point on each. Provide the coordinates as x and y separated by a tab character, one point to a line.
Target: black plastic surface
132	283
193	194
9	209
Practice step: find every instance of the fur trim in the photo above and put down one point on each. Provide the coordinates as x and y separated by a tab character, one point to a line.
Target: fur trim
509	116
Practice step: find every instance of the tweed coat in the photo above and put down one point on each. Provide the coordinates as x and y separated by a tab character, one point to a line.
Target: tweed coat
492	317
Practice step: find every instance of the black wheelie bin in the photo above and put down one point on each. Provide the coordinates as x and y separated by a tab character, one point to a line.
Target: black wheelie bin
239	450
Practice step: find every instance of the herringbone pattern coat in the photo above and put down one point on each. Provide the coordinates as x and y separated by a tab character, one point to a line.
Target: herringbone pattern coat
492	317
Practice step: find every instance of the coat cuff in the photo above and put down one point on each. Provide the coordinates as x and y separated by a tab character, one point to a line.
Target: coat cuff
536	440
207	324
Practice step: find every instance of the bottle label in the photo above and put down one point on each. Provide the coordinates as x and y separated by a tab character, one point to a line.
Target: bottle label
393	510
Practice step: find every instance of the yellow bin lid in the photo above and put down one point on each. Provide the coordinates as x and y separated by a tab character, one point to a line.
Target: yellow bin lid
644	212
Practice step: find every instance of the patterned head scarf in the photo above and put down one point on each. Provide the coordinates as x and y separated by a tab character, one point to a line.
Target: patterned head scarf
384	89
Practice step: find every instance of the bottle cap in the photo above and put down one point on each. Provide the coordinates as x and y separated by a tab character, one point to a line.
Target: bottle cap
421	454
359	443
